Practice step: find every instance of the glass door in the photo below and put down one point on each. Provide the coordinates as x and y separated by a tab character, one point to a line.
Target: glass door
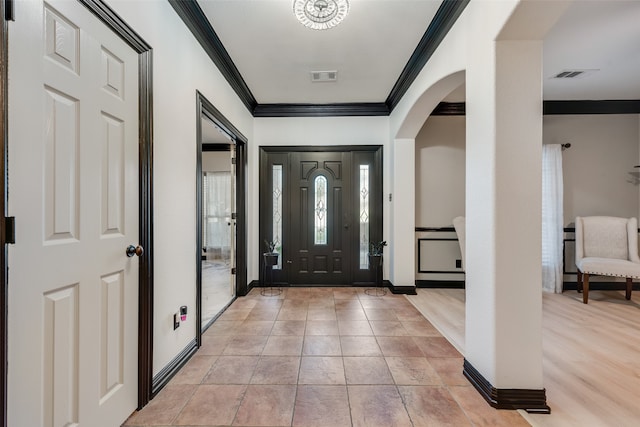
218	255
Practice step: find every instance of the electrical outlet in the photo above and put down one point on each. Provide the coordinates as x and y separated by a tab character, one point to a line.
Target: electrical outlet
176	321
458	263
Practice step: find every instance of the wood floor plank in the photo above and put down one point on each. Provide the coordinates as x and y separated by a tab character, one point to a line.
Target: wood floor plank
591	353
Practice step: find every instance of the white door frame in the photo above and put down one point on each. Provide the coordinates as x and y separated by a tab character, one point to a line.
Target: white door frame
145	323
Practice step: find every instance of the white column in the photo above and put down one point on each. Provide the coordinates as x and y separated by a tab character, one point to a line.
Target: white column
403	211
503	211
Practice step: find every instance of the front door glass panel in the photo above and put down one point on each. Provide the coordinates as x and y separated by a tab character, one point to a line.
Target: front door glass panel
364	216
277	212
320	214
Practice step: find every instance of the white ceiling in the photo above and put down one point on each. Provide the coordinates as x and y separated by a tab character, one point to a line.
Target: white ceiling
595	35
275	54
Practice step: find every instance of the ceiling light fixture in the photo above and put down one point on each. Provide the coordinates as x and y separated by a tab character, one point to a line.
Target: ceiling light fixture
320	14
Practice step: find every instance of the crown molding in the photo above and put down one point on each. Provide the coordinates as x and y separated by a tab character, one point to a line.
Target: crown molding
578	107
194	18
450	109
445	17
619	106
321	110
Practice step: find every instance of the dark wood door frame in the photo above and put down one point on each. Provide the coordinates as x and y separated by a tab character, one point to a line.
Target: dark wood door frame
280	154
145	107
204	108
4	106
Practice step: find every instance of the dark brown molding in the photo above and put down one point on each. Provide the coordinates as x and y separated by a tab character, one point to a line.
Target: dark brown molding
440	284
621	106
4	303
440	229
532	401
579	107
322	110
402	290
212	113
215	147
172	368
145	282
112	20
194	18
450	109
445	17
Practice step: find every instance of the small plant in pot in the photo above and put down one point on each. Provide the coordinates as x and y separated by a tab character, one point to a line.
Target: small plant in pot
271	246
270	256
375	252
376	248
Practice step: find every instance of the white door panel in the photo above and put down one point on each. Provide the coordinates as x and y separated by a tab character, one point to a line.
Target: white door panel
73	188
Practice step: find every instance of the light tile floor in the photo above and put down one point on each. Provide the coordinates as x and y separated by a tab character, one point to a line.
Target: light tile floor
322	357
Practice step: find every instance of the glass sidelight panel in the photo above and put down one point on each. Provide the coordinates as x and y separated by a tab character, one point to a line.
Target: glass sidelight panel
320	211
364	216
277	212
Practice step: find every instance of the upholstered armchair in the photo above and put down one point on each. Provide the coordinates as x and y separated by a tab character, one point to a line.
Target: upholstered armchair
606	246
459	225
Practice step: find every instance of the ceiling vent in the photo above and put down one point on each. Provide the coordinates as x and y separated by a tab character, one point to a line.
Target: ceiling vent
573	74
324	76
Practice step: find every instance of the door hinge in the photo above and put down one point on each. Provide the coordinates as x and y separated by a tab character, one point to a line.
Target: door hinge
10	230
233	160
234	215
233	270
9	8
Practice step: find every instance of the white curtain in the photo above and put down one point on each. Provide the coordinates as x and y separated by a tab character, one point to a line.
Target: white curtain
552	218
216	204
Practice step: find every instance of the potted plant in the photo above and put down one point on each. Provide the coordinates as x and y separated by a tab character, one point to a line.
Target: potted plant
270	256
375	253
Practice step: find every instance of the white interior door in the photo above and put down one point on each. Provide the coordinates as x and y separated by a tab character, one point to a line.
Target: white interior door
73	188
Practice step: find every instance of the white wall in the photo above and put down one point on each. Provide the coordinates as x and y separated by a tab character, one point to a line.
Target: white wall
440	171
320	131
180	67
596	169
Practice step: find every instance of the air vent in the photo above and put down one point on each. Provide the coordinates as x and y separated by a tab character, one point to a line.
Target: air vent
324	76
572	74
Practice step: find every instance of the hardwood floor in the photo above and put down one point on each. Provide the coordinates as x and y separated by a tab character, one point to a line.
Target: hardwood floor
591	353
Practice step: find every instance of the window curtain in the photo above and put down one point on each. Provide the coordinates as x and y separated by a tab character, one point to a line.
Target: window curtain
552	218
216	203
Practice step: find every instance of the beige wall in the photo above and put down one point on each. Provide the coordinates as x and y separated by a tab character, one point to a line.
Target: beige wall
596	169
440	171
597	179
216	161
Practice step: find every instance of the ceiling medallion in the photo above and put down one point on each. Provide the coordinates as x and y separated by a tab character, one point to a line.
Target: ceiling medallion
320	14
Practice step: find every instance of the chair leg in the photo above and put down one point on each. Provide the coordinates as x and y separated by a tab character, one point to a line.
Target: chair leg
585	288
629	288
579	285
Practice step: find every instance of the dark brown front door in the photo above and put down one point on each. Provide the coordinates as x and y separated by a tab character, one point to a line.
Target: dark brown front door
322	207
320	218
